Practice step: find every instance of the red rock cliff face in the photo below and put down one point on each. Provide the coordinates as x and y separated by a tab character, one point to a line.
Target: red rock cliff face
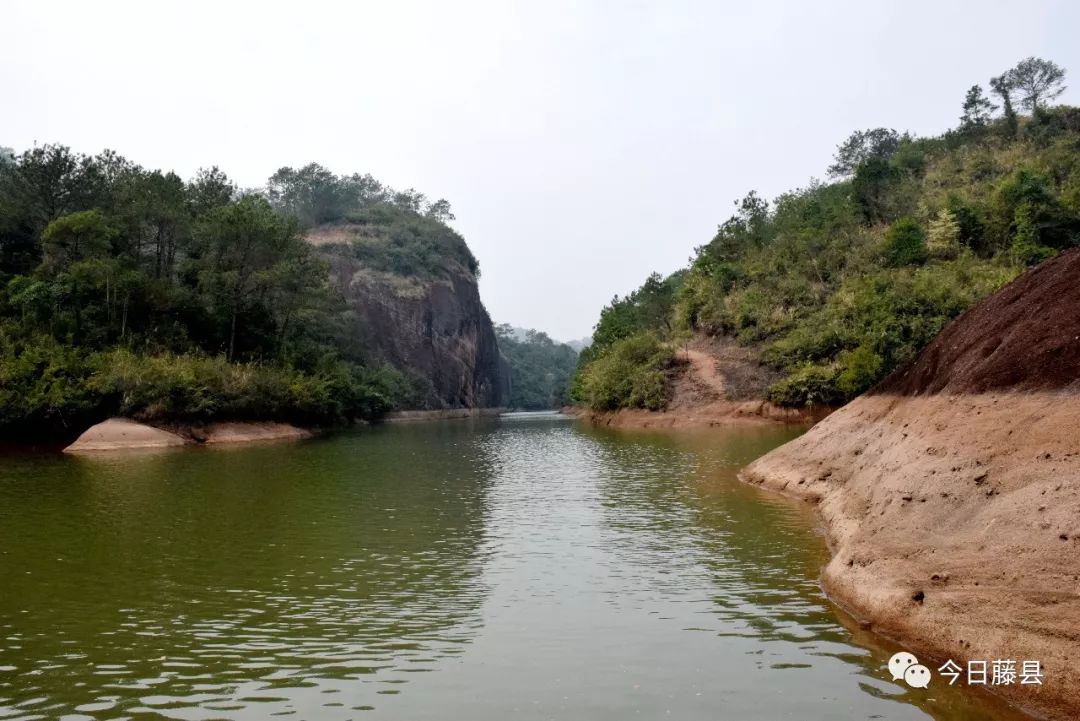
435	329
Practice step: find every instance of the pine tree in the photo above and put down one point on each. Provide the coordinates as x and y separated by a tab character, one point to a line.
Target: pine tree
977	109
1039	81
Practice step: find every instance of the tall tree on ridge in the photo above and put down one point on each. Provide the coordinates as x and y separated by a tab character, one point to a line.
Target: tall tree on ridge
1002	85
977	109
1038	81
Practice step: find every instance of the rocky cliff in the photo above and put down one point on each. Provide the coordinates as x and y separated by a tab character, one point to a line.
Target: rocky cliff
424	319
951	492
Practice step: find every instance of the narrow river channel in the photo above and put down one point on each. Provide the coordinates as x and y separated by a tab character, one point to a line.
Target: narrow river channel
517	568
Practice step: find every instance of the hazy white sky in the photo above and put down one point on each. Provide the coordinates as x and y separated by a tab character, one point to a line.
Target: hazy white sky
582	144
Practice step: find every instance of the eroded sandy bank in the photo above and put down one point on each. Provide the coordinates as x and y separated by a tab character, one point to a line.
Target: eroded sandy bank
955	526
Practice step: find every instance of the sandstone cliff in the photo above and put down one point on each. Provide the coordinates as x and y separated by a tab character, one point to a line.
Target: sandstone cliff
951	492
429	323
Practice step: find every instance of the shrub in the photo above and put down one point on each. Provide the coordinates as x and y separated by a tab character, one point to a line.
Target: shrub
808	385
875	322
43	385
905	243
1026	248
397	240
633	373
49	385
861	369
201	388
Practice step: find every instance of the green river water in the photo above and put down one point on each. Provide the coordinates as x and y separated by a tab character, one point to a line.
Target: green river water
517	568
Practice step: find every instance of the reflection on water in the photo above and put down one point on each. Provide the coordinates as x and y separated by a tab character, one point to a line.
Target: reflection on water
519	568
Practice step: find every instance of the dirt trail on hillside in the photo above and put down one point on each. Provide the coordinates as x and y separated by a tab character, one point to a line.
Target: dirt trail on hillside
704	370
718	382
951	492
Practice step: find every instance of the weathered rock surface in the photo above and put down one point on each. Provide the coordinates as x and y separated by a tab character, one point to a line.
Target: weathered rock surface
123	434
951	492
437	329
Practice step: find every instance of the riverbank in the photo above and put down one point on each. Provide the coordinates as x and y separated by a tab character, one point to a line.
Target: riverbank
950	494
441	415
717	383
703	416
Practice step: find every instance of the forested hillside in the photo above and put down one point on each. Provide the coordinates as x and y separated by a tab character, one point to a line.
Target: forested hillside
838	283
130	291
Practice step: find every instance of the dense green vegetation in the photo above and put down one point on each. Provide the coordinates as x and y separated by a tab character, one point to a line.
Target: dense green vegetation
626	365
632	372
126	290
540	368
839	283
391	231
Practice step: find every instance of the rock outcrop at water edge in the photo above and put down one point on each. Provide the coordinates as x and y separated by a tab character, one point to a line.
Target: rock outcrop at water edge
124	434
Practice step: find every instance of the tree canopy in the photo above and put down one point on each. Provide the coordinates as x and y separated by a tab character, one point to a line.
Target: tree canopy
977	108
1038	81
863	146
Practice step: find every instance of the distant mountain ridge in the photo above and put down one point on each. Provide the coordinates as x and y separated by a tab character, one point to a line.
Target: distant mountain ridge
520	334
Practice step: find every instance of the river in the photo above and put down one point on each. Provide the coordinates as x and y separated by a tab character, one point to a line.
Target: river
518	568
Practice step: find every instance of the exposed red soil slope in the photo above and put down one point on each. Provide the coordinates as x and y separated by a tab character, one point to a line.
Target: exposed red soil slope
1025	337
